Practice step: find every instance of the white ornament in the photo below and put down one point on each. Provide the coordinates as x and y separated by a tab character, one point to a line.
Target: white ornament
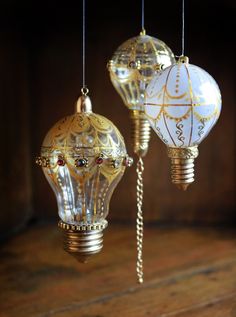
182	104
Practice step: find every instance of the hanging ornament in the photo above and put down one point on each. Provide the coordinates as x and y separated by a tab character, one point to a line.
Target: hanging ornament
182	104
131	69
83	158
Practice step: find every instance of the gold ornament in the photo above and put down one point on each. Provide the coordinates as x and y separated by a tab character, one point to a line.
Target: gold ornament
83	158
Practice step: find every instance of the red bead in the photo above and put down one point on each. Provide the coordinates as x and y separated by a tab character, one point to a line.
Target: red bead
60	162
99	160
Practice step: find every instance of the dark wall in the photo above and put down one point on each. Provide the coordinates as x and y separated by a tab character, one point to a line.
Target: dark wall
15	151
41	75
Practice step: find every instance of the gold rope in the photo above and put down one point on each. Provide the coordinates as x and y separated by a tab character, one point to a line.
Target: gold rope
139	220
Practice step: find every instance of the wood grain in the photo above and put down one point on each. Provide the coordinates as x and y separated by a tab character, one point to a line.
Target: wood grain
188	272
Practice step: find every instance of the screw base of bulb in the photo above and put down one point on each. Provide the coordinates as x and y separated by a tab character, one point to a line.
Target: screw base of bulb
83	241
141	132
182	165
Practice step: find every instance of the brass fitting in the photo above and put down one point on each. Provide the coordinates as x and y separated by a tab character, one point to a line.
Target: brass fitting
182	165
83	104
141	132
183	59
143	32
82	241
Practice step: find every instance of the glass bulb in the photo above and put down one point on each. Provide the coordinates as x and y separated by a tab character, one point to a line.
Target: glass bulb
134	64
182	104
131	68
83	158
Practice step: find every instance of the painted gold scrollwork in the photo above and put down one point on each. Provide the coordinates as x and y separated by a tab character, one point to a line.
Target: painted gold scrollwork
183	117
215	113
133	66
174	96
83	137
100	123
179	133
161	135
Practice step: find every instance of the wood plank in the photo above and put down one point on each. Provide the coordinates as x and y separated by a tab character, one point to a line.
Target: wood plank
183	268
172	296
219	307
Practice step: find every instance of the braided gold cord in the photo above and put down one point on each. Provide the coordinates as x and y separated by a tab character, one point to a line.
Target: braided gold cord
139	220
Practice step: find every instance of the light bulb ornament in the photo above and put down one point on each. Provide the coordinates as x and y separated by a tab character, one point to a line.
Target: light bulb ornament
131	69
83	158
182	104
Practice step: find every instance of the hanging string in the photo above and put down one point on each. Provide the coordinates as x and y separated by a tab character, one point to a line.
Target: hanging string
139	220
182	27
84	89
143	28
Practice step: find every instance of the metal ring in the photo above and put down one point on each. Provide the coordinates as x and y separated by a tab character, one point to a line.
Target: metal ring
84	91
83	227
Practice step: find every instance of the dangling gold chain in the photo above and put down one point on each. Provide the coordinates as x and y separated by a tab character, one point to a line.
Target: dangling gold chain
139	220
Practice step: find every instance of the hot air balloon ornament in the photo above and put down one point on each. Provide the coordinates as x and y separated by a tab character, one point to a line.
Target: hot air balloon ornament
83	158
131	68
183	103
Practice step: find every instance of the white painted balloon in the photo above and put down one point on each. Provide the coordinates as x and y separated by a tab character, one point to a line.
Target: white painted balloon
182	104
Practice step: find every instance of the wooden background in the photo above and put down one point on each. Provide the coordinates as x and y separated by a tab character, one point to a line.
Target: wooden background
40	66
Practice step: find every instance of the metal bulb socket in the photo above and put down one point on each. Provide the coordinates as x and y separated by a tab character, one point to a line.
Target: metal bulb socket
83	241
141	132
182	165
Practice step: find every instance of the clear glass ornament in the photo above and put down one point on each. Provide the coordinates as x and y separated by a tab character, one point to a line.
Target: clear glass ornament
134	64
83	158
131	69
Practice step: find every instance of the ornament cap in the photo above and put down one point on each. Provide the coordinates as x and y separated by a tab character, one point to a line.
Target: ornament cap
83	104
143	32
183	59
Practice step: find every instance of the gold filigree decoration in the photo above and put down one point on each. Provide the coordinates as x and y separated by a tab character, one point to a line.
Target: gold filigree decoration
190	152
167	97
164	107
201	128
79	140
179	133
133	66
161	135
